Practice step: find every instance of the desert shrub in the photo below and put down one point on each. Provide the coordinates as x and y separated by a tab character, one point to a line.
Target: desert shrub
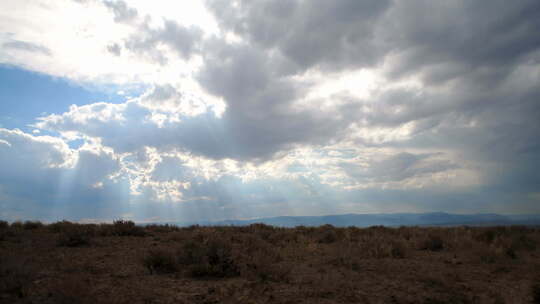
262	230
511	253
160	261
260	260
192	228
178	236
486	255
398	250
191	252
536	293
489	235
71	289
75	236
523	242
263	267
4	225
15	276
282	237
12	235
126	228
61	226
405	232
166	228
381	247
17	225
432	243
327	235
212	258
31	225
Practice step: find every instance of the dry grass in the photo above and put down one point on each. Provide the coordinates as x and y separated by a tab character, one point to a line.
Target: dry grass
121	262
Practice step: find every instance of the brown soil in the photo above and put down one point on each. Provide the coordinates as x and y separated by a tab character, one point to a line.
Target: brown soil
123	263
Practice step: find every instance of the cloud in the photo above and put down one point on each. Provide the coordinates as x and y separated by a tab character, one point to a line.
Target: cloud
180	39
399	167
41	173
115	49
323	34
26	46
435	42
166	119
292	106
462	39
122	13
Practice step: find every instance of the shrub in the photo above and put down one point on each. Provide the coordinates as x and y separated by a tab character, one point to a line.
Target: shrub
61	226
259	260
126	228
536	293
71	289
263	230
487	255
212	258
524	242
15	276
398	250
162	228
328	236
75	236
432	243
31	225
487	236
17	225
160	261
511	253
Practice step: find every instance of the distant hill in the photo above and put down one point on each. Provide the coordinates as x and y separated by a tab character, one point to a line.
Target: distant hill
385	219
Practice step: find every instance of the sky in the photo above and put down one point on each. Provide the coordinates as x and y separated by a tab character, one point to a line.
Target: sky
208	110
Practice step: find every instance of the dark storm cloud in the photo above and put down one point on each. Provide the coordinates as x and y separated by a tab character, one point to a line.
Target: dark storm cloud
483	40
326	34
478	62
479	44
259	113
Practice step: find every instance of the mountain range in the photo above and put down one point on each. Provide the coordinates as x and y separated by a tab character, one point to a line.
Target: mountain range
384	219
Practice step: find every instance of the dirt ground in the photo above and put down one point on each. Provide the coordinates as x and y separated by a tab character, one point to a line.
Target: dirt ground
124	263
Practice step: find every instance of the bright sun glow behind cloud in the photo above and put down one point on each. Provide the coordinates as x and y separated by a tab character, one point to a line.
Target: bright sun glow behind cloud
78	42
185	12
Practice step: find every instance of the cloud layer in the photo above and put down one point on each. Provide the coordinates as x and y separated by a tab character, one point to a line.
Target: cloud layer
282	107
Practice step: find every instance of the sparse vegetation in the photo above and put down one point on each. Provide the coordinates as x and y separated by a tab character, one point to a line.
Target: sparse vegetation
536	293
66	262
75	236
124	228
160	261
31	225
210	258
15	276
433	243
17	225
